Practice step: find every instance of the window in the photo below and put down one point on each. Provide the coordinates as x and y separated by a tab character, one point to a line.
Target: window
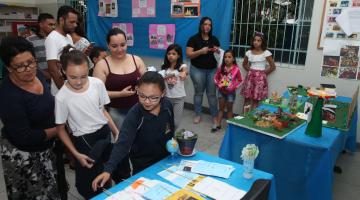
285	23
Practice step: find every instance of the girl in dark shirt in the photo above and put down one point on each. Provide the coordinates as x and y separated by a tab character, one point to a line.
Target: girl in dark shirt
146	129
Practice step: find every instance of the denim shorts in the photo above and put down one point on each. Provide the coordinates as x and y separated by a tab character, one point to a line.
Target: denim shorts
228	97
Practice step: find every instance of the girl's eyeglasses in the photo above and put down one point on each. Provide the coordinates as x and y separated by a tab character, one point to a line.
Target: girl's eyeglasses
143	97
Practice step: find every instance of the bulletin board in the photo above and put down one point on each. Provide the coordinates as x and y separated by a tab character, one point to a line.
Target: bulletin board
220	12
330	28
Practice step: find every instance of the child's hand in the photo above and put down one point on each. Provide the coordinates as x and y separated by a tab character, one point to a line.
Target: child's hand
84	160
182	75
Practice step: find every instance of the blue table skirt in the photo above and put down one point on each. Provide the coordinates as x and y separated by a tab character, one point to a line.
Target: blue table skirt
302	165
235	179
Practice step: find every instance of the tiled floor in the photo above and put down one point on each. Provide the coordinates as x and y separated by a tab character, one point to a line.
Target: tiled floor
346	185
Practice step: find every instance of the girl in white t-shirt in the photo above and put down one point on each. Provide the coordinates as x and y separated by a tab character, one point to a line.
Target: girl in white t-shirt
175	72
255	87
80	104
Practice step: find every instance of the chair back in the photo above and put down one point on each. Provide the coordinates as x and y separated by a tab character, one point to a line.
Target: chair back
259	190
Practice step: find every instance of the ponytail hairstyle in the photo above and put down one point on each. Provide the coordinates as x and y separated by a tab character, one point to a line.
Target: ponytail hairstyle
223	62
70	55
179	61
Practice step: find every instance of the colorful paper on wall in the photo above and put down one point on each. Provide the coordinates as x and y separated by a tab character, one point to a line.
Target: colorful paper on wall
128	29
108	8
341	59
185	8
331	29
161	35
143	8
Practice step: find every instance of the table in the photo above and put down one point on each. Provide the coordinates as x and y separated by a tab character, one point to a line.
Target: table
302	165
235	179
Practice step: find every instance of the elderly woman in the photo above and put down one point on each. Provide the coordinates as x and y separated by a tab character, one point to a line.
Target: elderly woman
27	114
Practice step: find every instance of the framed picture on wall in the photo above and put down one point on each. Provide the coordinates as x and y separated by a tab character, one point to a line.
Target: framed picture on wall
23	28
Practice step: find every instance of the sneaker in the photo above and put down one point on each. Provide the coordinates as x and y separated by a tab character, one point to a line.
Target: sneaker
213	129
197	119
218	127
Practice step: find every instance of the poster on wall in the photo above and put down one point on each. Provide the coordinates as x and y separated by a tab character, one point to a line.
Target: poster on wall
128	29
108	8
341	59
330	28
185	8
161	35
143	8
23	29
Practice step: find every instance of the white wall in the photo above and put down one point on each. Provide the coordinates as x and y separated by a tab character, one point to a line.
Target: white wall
48	6
19	2
282	77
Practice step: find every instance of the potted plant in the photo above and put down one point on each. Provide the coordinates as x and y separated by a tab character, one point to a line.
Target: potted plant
187	140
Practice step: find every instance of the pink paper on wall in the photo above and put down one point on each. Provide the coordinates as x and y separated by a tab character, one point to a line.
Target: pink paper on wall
128	29
161	35
143	8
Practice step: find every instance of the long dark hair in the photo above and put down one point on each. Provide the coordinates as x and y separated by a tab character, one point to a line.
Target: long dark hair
263	41
202	21
223	62
179	61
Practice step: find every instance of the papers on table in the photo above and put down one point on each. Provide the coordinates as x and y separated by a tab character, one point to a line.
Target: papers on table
178	177
143	189
218	190
207	168
207	186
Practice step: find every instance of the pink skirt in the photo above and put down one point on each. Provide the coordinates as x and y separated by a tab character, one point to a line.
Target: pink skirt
255	85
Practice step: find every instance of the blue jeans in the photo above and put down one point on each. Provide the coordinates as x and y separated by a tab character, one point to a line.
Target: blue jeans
204	79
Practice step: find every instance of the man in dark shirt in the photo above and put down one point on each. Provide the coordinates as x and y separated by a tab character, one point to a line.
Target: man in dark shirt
147	127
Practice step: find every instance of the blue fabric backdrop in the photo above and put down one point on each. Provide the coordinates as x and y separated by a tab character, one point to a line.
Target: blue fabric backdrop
219	10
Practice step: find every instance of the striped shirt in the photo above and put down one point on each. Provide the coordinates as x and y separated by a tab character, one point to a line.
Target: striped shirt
39	47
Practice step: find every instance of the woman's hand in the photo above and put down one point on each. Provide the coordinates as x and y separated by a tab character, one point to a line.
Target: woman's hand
84	160
204	50
127	91
100	180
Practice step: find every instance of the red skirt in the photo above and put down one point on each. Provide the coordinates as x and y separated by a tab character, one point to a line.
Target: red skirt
255	85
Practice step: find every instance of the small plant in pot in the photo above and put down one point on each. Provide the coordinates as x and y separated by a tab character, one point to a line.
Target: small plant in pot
187	140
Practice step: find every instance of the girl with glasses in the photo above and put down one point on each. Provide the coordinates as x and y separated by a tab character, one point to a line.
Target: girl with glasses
145	131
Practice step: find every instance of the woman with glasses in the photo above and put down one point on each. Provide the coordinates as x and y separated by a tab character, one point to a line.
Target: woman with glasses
27	113
200	49
145	131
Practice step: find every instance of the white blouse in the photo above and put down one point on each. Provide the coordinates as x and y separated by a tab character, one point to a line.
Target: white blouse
258	62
